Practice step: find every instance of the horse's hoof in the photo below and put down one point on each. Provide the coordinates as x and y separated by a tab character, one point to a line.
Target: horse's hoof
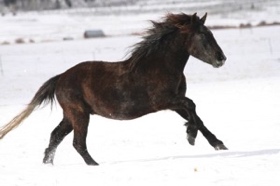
191	133
221	147
93	164
191	139
48	161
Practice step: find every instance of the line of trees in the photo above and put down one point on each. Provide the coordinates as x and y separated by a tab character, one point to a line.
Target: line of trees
58	4
7	6
41	4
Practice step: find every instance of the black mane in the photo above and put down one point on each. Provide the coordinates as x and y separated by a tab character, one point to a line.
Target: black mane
157	36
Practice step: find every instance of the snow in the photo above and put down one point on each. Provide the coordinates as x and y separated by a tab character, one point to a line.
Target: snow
239	103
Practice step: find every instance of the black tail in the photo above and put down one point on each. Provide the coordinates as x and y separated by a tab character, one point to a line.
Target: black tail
45	94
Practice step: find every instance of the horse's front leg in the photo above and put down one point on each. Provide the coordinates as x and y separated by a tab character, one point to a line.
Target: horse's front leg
191	127
187	109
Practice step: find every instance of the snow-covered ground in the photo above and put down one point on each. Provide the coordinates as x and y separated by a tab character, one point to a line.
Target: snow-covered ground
239	102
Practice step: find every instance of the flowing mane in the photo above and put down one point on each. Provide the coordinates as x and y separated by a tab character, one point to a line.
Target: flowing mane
156	37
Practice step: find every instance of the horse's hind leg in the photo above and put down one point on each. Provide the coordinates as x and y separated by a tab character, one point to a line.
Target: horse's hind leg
80	121
57	135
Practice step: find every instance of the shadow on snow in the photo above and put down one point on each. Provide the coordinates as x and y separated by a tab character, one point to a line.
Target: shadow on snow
230	154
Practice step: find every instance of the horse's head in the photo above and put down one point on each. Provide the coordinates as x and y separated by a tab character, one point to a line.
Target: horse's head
201	43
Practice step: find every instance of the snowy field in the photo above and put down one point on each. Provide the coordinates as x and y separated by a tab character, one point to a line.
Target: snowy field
239	102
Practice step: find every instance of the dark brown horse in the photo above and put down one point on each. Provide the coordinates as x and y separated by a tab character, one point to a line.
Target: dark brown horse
150	80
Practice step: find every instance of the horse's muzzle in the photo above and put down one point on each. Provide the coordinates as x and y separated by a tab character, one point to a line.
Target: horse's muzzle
221	59
218	64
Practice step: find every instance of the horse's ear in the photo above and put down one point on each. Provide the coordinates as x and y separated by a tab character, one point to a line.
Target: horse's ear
203	19
193	18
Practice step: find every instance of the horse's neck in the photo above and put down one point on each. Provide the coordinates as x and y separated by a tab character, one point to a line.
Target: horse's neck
177	61
174	59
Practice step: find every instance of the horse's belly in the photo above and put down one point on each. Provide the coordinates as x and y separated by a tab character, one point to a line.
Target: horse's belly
124	110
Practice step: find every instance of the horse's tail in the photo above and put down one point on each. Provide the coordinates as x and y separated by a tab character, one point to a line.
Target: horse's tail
45	94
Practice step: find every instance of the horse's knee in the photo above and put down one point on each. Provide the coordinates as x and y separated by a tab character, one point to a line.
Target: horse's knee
190	104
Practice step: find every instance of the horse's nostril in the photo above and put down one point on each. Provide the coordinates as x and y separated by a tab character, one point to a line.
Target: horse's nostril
221	57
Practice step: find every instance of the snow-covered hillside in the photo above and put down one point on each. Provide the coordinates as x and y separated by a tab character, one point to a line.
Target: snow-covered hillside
239	102
132	19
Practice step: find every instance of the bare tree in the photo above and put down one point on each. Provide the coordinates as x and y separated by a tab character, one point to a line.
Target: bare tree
9	6
69	3
13	5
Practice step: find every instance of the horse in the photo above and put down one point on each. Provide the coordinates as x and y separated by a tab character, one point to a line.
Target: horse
150	79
